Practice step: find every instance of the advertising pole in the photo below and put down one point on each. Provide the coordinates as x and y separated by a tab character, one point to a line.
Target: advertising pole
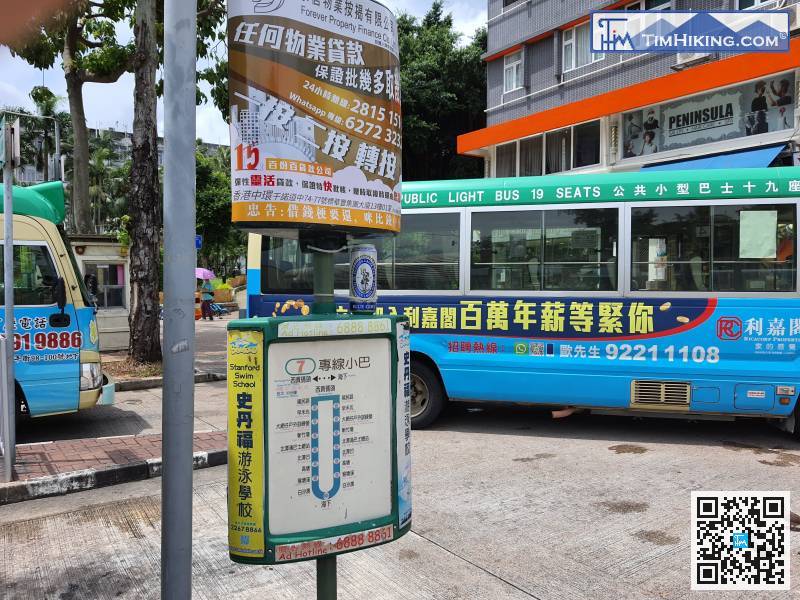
316	152
180	68
9	399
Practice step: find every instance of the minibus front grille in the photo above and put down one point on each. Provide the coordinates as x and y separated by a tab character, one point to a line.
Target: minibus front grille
661	395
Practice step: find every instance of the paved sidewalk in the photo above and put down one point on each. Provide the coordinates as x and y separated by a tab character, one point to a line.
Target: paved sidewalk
56	458
133	413
62	467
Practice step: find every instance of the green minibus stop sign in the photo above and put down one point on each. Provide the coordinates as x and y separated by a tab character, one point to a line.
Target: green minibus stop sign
319	458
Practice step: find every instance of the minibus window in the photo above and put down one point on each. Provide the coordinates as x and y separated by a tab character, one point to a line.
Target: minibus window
35	276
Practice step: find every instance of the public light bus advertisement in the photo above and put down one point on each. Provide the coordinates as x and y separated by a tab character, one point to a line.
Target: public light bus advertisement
640	292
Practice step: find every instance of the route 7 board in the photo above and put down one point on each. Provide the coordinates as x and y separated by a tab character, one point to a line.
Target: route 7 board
319	436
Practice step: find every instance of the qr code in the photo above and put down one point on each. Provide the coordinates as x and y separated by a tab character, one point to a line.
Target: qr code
740	540
537	349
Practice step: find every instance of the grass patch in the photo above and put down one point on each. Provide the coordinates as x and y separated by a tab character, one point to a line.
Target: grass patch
129	369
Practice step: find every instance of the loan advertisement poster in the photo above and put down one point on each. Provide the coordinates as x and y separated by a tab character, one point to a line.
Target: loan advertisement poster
315	114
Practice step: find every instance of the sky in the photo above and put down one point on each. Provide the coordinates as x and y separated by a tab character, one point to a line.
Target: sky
111	105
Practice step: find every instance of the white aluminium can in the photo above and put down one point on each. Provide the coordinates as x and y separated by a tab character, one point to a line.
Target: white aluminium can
363	278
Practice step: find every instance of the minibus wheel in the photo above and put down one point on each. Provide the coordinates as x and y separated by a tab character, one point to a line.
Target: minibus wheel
796	432
427	395
21	404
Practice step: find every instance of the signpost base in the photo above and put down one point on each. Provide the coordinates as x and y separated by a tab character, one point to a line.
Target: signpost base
326	578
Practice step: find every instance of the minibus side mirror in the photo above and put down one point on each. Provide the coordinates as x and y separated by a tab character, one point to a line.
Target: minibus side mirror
61	294
60	319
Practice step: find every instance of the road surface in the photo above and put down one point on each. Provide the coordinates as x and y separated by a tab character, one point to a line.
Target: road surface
508	504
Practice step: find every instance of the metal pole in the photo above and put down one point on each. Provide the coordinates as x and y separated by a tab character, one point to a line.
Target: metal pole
180	71
9	395
324	303
326	578
57	156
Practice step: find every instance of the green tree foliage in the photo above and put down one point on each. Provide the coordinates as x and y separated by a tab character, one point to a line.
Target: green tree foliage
444	95
223	244
84	35
47	106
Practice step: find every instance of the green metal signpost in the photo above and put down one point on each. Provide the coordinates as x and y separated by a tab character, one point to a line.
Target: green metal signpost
319	425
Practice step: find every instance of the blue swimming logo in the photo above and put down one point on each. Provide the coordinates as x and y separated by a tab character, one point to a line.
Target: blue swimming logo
243	346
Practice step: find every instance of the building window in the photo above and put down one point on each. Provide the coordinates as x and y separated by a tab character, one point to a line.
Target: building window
506	160
714	248
512	71
650	5
110	283
510	3
586	144
745	4
578	47
558	153
530	156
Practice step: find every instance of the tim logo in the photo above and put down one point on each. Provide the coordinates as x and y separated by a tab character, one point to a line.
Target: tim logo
262	7
729	328
614	36
681	31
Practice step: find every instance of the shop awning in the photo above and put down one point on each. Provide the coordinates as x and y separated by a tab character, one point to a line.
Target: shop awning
753	157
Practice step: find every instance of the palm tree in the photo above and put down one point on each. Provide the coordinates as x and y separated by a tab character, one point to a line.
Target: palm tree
47	106
99	183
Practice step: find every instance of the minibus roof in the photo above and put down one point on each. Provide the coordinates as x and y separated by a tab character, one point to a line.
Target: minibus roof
45	200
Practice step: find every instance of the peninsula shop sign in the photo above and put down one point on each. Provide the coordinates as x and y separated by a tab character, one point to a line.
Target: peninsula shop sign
761	106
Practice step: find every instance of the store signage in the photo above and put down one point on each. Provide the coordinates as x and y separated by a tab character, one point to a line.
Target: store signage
762	106
678	31
320	438
315	115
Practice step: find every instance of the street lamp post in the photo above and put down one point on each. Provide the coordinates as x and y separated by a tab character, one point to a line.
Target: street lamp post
180	74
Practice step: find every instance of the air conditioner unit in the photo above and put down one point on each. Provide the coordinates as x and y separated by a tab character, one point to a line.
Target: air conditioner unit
794	17
687	59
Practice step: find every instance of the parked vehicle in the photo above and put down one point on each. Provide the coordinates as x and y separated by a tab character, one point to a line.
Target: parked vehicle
56	340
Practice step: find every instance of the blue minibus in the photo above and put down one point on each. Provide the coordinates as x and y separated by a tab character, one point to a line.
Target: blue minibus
665	292
56	340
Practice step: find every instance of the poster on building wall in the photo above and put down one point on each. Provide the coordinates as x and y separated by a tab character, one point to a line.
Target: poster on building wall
754	108
315	114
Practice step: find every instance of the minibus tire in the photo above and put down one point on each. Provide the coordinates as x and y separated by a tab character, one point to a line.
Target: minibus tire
424	380
19	401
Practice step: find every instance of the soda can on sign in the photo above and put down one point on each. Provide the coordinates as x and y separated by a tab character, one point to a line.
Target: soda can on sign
363	278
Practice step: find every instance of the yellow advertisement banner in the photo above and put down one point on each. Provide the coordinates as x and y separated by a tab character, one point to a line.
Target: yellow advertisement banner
302	212
246	443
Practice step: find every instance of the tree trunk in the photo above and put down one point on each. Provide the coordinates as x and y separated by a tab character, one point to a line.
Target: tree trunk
145	208
79	194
